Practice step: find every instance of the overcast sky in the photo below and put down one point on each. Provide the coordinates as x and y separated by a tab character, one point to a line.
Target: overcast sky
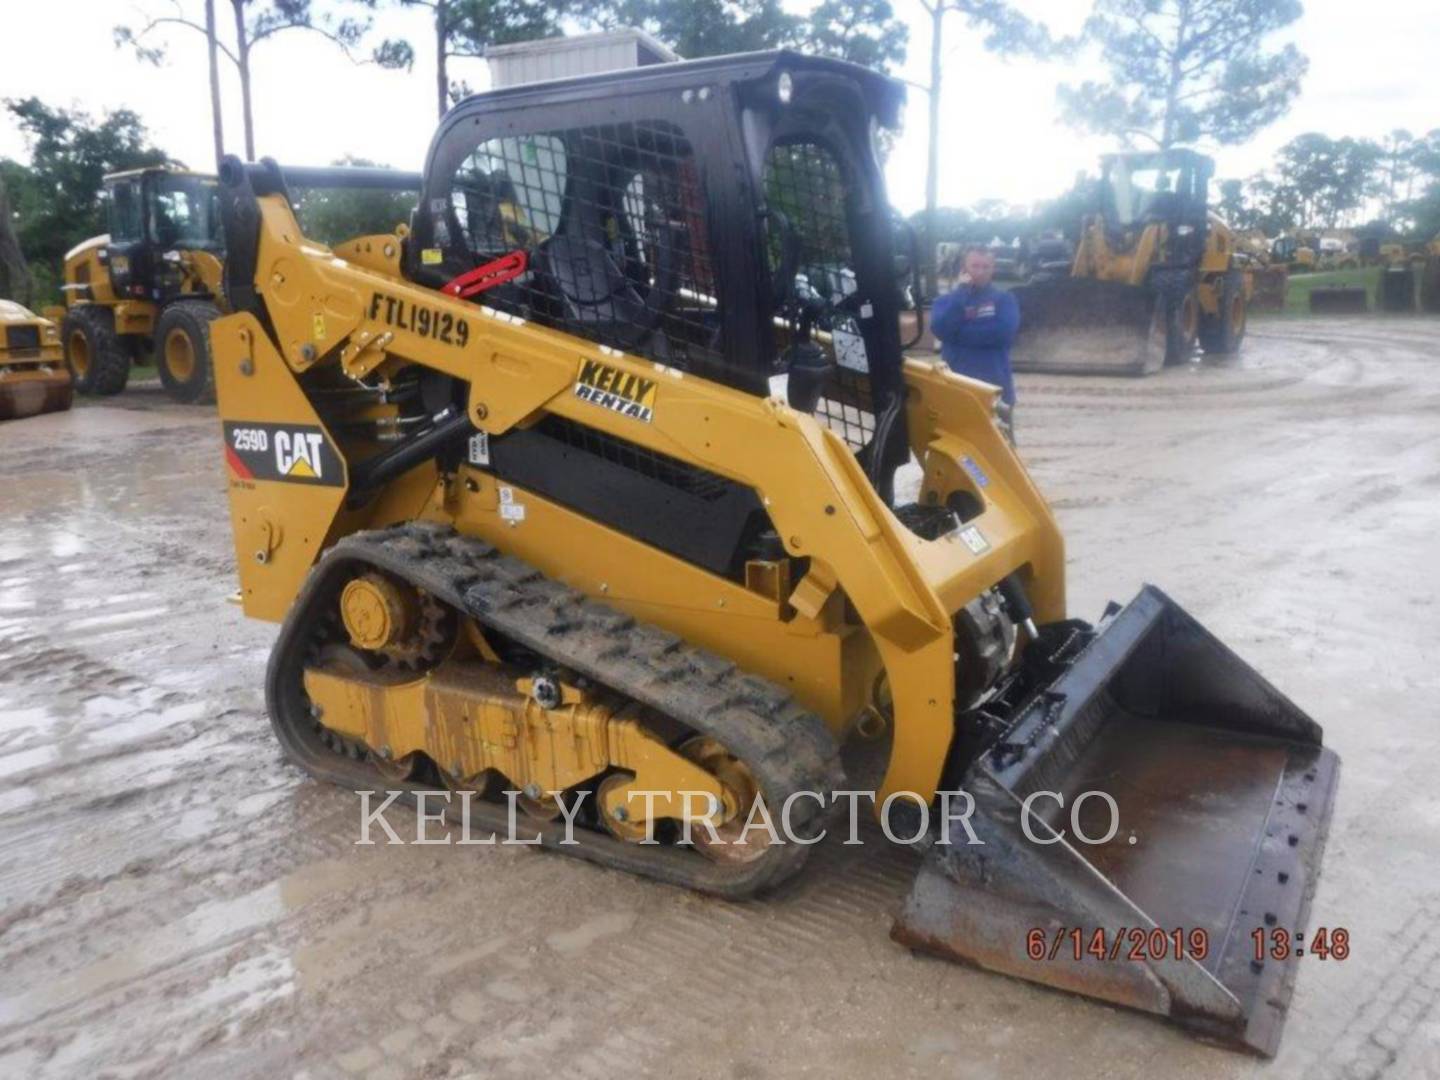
1372	68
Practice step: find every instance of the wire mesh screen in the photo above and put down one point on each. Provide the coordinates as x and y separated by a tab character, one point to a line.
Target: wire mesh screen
805	183
613	220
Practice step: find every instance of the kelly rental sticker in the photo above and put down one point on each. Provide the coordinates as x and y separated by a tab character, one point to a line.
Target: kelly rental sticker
616	390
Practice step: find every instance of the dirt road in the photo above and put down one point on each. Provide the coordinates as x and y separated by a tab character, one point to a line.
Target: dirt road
174	899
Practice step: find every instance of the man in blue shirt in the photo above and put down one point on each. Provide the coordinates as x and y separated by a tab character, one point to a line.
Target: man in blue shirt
976	325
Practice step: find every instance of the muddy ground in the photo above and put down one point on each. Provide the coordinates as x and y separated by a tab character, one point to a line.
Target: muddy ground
175	899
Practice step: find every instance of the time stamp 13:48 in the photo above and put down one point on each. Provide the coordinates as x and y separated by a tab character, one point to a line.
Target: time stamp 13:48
1154	943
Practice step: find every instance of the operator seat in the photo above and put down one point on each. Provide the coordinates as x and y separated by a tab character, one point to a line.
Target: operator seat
597	297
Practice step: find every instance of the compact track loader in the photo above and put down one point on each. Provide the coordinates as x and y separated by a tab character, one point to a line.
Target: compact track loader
1154	275
515	484
33	376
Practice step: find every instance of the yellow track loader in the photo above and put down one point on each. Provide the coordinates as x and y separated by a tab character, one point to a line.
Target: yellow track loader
33	376
538	532
1154	274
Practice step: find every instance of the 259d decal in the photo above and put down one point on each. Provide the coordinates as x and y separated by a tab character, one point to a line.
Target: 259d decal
294	453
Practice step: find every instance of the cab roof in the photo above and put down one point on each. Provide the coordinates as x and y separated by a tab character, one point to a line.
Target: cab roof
884	94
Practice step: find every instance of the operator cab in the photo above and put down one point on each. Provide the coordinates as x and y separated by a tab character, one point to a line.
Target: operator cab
1169	188
154	214
725	217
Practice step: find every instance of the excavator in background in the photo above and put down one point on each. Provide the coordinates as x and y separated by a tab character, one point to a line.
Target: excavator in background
149	288
536	527
33	376
1155	274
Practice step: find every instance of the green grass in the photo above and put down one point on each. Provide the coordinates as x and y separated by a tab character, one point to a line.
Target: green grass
1298	301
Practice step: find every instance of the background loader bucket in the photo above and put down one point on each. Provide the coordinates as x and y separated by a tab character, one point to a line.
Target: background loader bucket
1430	285
1272	287
1399	289
1086	327
1339	300
1223	793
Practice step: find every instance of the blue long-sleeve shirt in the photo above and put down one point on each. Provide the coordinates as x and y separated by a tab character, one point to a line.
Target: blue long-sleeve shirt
975	328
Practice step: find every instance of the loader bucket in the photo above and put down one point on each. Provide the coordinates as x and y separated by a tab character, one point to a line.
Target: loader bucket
1081	326
1272	286
1223	795
1430	285
1339	300
1398	289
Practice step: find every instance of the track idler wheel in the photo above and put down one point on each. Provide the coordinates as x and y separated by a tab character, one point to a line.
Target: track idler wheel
729	845
396	621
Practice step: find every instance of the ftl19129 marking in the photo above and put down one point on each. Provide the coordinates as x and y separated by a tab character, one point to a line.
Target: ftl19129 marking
428	322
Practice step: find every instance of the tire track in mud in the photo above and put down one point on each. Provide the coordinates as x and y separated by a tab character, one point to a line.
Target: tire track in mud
1394	1007
178	441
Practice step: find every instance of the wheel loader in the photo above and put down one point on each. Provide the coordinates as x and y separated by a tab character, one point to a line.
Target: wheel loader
541	534
33	376
1154	274
150	287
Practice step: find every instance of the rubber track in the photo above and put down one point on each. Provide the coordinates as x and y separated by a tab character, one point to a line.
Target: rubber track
787	748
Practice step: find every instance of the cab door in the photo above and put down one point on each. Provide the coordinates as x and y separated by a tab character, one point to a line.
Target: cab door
128	255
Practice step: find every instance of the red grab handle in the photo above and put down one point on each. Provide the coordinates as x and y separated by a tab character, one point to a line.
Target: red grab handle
496	272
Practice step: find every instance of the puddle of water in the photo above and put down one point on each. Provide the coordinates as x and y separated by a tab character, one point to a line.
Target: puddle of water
119	619
251	984
65	544
137	727
86	603
16	719
25	760
207	927
202	929
17	798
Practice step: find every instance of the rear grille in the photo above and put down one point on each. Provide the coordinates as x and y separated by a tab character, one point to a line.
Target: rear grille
22	341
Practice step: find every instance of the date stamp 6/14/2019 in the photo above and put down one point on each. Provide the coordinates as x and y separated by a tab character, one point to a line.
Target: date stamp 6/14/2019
1144	944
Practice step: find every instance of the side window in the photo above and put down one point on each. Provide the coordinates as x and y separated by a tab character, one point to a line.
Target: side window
808	195
174	217
124	212
804	182
612	219
508	194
